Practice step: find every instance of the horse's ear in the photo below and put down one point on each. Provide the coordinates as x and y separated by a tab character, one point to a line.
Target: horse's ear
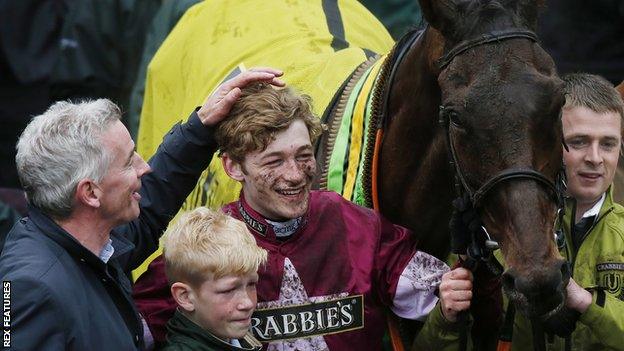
442	14
528	10
620	88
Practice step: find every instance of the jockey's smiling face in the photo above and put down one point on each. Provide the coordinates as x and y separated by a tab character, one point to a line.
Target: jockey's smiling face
594	145
277	181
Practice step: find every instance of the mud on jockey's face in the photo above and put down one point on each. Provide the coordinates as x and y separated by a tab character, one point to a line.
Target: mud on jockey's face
277	180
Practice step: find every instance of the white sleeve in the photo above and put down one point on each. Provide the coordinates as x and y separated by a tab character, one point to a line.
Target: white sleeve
415	293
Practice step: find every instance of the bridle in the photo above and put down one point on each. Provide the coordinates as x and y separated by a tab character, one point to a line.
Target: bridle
509	174
481	250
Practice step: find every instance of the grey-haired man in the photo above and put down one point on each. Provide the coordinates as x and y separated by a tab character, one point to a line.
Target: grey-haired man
96	212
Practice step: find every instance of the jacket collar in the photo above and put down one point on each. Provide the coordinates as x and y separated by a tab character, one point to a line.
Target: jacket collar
182	328
608	205
67	241
258	224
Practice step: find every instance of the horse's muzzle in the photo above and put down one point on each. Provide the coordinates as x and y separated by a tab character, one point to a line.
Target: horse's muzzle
540	292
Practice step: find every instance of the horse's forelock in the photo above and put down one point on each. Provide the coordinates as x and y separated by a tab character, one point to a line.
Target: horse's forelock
483	16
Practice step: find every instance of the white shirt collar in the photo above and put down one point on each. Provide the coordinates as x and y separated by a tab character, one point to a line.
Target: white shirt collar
595	210
107	252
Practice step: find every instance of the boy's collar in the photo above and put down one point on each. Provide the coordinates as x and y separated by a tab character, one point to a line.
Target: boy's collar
199	331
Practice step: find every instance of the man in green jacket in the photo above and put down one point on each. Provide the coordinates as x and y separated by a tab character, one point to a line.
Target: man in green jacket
593	224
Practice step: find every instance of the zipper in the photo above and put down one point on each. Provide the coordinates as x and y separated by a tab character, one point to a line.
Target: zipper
598	219
568	340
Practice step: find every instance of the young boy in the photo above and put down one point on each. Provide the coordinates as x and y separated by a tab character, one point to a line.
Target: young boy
212	262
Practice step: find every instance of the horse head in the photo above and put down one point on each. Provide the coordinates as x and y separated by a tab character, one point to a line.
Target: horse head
501	101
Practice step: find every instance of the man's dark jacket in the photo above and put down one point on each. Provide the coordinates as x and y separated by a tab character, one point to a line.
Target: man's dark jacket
62	296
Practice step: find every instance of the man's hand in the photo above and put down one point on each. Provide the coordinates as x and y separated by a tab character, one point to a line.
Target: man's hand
564	321
218	105
578	298
455	292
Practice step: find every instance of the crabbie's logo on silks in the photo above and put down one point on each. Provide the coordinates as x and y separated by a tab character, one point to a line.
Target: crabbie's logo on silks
251	222
301	321
611	277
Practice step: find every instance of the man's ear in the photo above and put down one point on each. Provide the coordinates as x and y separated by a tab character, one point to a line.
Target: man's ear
88	193
233	168
184	296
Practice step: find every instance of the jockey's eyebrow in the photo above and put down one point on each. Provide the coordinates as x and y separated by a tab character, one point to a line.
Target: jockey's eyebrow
304	148
301	148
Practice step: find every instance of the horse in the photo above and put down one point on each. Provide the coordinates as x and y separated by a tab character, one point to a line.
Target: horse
499	91
471	104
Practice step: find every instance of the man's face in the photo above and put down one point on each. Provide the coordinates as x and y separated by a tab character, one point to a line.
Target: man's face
224	306
120	187
277	181
594	141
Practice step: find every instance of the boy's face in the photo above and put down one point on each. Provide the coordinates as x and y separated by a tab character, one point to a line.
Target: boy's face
224	306
594	142
277	181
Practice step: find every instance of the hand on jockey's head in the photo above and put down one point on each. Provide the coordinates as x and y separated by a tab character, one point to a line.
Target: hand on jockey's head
455	293
218	105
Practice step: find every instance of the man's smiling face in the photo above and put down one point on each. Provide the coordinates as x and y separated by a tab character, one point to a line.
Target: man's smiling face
594	142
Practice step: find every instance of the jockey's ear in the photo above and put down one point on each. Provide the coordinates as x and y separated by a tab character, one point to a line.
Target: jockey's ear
233	168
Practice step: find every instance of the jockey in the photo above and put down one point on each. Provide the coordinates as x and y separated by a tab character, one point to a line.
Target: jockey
333	268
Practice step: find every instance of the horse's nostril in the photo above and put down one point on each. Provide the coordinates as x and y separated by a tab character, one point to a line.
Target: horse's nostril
544	283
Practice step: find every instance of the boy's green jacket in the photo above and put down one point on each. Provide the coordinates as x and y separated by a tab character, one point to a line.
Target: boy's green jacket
184	335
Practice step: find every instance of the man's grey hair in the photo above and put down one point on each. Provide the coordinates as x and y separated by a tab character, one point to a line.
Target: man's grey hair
60	148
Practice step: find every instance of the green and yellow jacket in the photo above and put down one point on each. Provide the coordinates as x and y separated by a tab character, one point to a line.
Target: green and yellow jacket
598	263
437	333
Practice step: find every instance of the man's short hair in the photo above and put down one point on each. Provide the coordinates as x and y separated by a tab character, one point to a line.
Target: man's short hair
206	243
60	148
261	112
593	92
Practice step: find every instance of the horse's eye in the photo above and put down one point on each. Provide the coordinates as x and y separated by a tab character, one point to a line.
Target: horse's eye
454	118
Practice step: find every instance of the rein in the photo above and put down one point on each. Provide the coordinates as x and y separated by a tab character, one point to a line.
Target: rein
480	249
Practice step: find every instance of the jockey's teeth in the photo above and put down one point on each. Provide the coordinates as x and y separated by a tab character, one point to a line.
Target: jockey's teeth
290	192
